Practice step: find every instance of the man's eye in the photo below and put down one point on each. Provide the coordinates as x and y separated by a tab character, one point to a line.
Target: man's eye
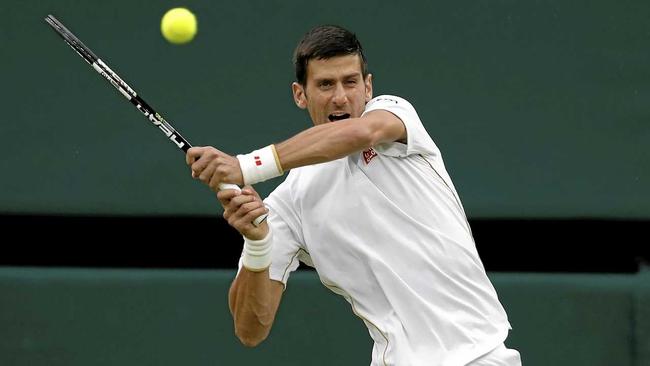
351	82
325	84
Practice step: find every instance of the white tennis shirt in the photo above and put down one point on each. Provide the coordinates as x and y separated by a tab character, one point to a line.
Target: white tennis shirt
385	229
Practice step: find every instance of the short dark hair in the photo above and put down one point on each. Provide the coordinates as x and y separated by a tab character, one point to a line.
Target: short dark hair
324	42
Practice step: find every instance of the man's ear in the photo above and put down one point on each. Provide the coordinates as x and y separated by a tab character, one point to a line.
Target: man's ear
299	96
368	83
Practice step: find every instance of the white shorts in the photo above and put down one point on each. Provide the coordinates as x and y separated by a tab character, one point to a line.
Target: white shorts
500	356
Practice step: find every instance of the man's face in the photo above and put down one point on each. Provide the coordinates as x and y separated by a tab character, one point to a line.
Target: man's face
335	89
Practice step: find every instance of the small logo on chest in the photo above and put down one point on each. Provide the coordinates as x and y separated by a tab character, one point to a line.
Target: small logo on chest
368	155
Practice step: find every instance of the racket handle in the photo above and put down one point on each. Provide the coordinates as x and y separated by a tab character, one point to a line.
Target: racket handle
260	219
224	186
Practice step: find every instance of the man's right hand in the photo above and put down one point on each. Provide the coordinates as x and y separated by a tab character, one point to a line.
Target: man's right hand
213	167
240	209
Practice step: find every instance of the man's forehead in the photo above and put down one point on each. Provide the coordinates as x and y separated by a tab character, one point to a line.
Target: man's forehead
337	66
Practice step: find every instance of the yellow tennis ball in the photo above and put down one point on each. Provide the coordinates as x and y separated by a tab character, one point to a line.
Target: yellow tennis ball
178	25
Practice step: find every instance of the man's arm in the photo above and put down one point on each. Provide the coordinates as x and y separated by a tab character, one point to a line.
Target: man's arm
253	297
319	144
331	141
254	300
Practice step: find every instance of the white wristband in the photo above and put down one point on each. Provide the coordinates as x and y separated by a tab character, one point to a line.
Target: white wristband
257	253
260	165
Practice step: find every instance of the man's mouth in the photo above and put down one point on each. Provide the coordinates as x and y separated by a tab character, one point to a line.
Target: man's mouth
338	116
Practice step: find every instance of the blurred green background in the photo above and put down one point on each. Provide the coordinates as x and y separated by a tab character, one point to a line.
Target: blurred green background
69	317
540	108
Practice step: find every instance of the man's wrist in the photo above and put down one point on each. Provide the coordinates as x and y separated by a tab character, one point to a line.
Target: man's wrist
260	165
257	253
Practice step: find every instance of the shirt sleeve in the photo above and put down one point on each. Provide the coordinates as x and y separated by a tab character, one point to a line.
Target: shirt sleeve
287	237
284	253
418	140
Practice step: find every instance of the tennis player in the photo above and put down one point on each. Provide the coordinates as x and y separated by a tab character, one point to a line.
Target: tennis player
368	203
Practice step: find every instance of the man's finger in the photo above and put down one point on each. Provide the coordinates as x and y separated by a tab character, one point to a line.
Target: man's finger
215	181
249	206
240	200
226	195
193	153
246	221
207	174
249	190
199	165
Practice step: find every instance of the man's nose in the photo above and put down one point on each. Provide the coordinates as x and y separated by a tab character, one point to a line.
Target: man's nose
340	97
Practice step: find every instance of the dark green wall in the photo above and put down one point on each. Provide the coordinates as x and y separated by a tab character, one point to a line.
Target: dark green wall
51	317
540	107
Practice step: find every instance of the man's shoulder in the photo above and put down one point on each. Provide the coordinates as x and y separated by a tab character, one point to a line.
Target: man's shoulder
390	103
389	99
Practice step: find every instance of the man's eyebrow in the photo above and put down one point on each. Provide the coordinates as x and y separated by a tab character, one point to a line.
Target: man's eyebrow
347	76
352	75
324	78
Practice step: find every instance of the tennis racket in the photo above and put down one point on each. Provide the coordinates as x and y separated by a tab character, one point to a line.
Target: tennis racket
154	117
